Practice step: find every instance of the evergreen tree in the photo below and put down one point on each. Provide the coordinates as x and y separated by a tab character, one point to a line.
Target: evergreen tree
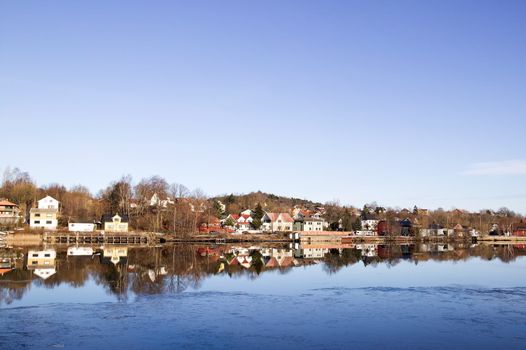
218	210
357	225
257	216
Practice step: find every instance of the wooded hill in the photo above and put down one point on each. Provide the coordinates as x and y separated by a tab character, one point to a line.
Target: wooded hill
269	202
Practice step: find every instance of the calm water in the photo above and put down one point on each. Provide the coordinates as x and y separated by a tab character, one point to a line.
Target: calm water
360	297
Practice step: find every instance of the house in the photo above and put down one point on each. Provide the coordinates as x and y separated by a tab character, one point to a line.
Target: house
405	227
244	218
434	230
45	215
309	224
248	212
9	213
48	202
81	227
519	230
243	226
369	222
277	222
461	231
42	262
156	201
115	223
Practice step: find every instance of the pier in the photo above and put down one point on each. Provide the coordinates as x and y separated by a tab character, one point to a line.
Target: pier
82	238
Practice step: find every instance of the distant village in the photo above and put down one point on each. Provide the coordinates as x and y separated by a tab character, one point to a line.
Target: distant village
369	221
156	206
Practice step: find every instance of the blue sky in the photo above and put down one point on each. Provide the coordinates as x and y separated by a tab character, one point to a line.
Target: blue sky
399	102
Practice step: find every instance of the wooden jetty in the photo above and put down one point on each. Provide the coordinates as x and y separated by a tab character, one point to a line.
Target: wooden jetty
97	238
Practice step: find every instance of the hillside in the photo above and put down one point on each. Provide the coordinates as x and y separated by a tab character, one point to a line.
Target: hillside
237	202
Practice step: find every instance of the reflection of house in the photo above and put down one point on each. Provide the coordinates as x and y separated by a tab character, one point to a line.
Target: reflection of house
115	223
368	250
115	255
45	215
275	257
9	213
277	222
80	251
6	265
42	262
365	233
311	253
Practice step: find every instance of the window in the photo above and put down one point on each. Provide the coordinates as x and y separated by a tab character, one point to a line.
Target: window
35	255
37	222
34	262
49	222
47	255
37	215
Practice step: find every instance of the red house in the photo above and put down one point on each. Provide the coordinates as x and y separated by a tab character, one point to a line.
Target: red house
519	230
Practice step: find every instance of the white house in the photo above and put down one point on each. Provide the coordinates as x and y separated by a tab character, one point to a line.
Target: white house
248	212
309	224
277	222
81	227
48	202
156	201
45	215
243	226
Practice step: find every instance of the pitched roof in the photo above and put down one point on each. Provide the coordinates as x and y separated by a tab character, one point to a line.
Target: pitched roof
109	218
285	217
5	202
368	216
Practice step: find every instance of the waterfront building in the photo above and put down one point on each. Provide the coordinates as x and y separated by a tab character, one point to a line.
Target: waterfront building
309	224
45	215
81	227
115	223
277	222
9	213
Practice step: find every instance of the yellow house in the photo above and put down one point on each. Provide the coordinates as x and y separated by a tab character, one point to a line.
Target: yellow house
115	223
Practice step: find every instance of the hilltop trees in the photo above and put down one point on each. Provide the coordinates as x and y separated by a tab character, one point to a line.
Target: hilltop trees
19	187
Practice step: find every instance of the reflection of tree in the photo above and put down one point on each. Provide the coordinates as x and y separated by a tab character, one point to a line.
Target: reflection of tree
175	269
334	260
13	285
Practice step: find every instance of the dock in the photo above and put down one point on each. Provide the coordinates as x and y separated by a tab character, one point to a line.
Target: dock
97	238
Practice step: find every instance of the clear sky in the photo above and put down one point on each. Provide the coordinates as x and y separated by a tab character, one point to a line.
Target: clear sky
399	102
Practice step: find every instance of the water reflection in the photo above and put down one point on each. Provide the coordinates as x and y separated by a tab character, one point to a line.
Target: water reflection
173	269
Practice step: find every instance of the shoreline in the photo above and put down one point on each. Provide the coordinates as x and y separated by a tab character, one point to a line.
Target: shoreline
304	238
